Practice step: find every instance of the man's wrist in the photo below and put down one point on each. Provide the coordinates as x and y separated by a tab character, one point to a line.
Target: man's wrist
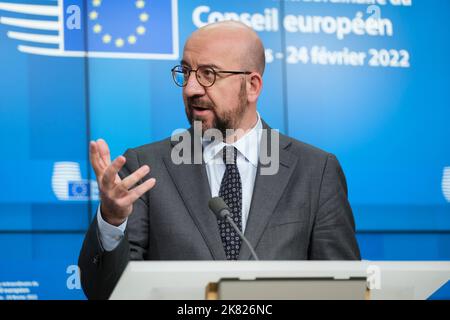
108	217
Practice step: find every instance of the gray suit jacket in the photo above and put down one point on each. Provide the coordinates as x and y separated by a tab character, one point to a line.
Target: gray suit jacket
300	213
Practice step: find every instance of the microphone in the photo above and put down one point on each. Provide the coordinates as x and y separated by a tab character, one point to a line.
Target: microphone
222	211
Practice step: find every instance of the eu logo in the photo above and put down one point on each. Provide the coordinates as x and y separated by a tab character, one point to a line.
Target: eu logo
136	29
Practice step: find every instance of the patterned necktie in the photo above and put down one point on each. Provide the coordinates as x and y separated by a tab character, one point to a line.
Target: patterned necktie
231	193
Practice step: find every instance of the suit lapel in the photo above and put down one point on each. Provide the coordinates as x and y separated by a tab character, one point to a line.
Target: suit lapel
267	191
192	183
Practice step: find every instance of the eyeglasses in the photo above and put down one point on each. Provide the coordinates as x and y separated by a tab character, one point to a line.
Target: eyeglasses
205	75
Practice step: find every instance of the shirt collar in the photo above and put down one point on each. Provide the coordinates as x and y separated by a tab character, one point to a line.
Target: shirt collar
247	145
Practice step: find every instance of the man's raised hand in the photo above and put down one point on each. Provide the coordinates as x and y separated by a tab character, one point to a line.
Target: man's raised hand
117	195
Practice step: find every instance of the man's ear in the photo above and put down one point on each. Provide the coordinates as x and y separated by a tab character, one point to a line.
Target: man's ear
254	86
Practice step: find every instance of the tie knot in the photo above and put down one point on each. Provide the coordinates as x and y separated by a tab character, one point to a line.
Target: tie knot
229	155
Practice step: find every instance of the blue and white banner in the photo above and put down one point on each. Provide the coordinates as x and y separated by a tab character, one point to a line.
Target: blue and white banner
139	29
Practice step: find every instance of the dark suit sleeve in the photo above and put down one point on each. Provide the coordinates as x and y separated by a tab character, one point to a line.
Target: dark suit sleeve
333	235
100	270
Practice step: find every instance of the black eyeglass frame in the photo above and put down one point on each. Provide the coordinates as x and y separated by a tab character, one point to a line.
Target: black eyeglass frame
215	72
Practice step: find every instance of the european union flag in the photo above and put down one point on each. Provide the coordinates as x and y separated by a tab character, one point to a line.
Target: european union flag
79	189
118	28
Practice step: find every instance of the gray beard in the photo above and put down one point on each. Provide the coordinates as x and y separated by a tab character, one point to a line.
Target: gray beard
228	120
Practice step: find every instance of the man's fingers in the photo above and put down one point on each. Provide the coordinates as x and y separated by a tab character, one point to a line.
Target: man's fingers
103	149
109	177
135	193
132	179
94	157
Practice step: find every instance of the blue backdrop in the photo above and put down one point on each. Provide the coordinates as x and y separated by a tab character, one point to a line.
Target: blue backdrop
366	82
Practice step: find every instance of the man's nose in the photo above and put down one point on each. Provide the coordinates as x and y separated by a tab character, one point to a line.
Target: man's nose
193	87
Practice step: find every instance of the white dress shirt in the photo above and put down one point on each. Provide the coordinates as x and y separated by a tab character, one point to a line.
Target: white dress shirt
247	163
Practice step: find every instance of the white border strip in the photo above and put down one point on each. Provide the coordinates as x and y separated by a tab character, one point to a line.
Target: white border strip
40	38
32	24
58	53
41	10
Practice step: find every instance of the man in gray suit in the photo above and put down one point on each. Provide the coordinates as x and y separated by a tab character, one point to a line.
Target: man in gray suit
301	212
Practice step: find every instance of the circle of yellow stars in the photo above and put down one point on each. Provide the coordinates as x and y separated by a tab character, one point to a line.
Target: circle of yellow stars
119	42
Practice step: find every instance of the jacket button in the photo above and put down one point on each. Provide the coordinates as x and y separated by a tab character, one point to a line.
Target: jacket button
95	259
